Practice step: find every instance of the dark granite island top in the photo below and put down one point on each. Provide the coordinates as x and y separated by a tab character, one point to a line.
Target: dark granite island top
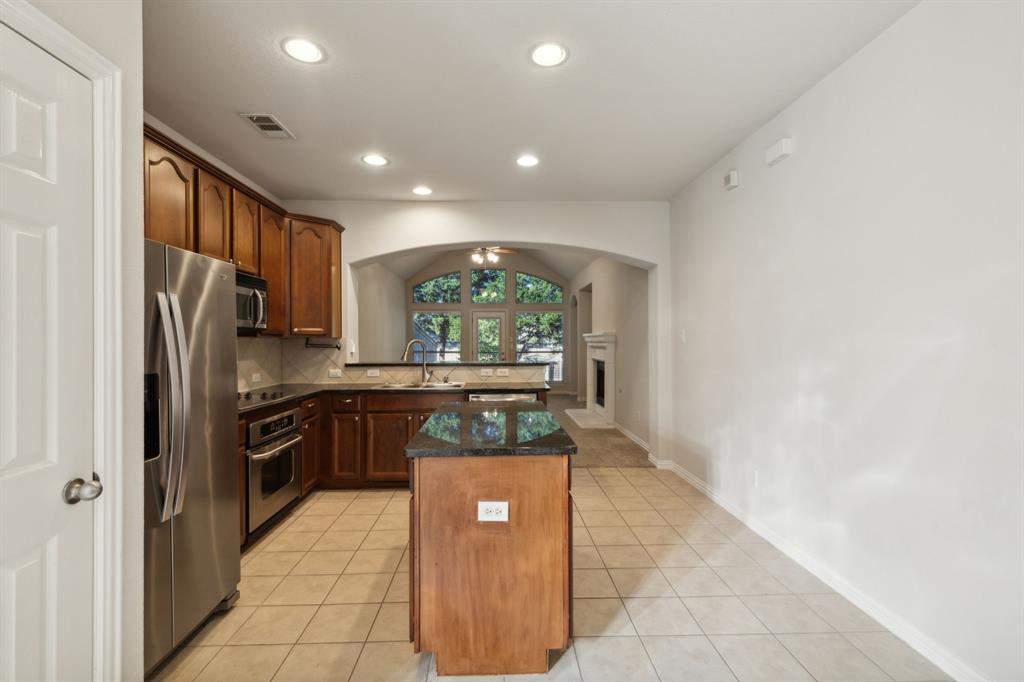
483	429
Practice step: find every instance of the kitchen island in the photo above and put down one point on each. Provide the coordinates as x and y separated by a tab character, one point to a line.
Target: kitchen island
491	537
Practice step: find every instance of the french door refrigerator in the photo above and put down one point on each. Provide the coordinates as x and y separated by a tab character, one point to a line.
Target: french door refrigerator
192	562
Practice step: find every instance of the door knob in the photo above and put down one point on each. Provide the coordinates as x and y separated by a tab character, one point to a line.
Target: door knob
77	490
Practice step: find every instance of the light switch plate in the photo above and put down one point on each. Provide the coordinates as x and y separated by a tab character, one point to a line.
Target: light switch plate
503	371
487	372
492	511
257	378
334	373
373	372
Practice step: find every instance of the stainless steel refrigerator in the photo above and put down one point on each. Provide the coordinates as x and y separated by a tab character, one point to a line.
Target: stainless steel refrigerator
192	562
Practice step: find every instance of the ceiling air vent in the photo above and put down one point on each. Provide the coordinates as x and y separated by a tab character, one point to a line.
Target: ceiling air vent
269	126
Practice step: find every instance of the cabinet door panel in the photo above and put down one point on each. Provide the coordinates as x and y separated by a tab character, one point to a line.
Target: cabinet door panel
310	278
170	184
246	240
386	437
214	233
342	462
274	268
310	453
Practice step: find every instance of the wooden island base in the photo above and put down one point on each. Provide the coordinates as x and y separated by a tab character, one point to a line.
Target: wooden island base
490	598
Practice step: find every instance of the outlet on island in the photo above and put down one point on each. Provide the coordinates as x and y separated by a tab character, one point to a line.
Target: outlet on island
492	511
334	373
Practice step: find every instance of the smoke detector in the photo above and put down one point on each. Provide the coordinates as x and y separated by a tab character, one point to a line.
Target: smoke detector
269	126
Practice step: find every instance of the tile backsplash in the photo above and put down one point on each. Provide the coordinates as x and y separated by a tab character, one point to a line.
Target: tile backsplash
289	361
259	355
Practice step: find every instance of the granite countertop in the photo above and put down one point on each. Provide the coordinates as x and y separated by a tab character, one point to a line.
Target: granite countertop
489	429
300	391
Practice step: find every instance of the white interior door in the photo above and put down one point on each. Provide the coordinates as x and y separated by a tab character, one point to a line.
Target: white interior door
46	364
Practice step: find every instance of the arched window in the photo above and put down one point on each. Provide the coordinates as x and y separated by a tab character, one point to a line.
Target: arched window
534	289
446	288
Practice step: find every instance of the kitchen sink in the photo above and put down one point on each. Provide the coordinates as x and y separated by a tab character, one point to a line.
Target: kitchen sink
420	386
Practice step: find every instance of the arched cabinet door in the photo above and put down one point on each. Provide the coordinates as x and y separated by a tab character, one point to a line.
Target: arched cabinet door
274	268
310	278
246	240
213	238
170	186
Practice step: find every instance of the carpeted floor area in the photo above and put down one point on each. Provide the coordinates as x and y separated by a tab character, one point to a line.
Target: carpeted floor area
597	447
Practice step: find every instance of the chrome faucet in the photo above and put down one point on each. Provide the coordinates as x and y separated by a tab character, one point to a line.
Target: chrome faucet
423	353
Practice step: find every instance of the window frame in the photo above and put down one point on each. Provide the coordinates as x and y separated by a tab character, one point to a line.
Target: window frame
466	307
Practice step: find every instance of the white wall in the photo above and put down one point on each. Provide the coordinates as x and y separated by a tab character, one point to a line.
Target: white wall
634	231
381	296
114	29
854	324
618	303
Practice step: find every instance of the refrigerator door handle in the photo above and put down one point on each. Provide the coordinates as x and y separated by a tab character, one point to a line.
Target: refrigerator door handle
185	374
169	468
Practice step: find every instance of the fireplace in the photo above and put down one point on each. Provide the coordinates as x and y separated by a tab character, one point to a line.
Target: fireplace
601	375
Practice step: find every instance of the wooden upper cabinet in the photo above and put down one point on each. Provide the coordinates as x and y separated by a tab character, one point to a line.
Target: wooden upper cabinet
213	237
310	294
170	186
246	241
274	268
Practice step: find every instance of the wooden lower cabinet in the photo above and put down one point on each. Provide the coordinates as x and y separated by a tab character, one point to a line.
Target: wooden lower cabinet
387	434
339	464
310	453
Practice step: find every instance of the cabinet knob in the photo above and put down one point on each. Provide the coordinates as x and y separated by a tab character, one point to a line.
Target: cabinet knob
410	417
305	427
295	330
357	418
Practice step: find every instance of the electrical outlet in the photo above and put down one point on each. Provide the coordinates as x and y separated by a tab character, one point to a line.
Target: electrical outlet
257	378
487	372
503	371
373	372
492	511
334	373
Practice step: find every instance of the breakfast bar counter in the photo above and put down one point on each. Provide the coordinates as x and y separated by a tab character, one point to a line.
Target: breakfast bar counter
491	537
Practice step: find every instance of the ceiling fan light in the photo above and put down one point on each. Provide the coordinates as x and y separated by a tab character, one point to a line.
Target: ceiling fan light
492	257
477	257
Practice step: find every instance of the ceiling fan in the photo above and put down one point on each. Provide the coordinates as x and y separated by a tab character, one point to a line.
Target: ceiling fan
489	254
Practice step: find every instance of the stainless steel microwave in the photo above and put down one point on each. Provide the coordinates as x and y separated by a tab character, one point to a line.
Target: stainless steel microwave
250	302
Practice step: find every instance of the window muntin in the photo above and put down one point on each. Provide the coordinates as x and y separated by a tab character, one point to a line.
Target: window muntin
540	337
534	289
487	285
446	288
441	333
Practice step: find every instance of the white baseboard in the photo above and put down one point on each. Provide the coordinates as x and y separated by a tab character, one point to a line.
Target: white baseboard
635	438
926	646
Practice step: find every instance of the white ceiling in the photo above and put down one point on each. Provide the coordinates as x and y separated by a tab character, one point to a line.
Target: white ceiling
652	93
565	261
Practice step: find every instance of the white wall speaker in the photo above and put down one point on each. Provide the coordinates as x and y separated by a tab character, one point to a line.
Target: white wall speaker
731	180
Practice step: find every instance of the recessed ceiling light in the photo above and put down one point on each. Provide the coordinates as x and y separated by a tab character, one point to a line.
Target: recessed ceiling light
527	160
549	54
303	50
422	190
375	160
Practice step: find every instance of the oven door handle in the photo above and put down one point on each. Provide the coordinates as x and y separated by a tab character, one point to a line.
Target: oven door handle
257	456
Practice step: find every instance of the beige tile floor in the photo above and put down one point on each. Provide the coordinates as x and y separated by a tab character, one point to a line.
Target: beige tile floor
667	586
